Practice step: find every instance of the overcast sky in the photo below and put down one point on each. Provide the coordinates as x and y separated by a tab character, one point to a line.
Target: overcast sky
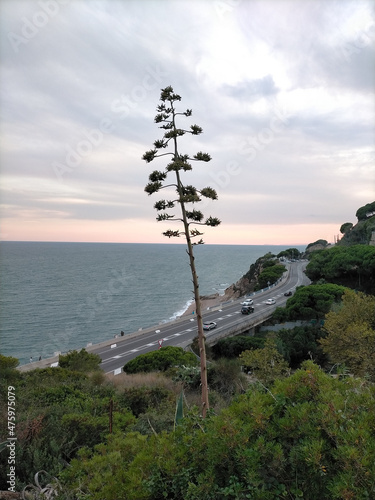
283	89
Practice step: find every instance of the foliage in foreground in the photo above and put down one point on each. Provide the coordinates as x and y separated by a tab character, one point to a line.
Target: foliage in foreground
308	436
267	363
351	334
58	411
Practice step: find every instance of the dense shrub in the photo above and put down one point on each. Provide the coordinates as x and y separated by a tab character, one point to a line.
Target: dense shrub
308	436
161	360
269	275
57	411
141	399
350	266
231	347
301	343
309	302
80	361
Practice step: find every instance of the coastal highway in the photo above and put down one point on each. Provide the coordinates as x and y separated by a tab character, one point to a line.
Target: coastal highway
181	332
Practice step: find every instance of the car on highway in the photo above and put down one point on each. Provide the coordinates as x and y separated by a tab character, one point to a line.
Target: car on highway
247	302
288	293
209	325
247	309
270	301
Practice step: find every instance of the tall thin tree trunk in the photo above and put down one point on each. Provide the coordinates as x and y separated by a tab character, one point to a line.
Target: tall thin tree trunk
201	342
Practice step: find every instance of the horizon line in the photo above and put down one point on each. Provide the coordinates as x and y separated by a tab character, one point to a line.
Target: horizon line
151	243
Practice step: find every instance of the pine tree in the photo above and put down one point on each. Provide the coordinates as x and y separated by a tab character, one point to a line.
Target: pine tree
187	197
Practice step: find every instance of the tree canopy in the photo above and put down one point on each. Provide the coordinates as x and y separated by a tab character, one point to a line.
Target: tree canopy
160	360
271	272
323	243
366	211
311	302
346	227
290	253
352	266
231	347
80	361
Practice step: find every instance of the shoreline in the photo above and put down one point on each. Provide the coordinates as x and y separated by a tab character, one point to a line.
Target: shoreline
207	302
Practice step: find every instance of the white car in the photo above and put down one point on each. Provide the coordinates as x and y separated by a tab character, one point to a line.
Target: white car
270	301
209	325
247	302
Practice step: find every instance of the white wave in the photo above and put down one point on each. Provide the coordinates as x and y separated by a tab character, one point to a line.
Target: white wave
220	289
181	311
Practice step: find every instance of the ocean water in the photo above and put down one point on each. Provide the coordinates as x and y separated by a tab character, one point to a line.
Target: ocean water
55	297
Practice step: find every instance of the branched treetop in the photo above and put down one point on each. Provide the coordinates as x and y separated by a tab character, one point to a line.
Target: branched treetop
166	117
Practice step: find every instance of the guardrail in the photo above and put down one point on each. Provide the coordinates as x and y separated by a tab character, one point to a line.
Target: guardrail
252	294
239	327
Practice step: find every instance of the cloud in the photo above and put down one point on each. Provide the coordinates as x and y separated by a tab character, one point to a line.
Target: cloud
252	90
283	91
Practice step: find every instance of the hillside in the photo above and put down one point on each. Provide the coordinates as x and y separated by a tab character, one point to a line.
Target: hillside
264	272
361	233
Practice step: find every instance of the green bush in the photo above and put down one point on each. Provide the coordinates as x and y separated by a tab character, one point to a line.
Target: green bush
308	436
226	378
232	347
80	361
301	343
140	399
269	275
161	360
309	302
8	372
350	266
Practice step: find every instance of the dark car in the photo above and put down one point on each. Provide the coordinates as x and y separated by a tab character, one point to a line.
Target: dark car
288	293
209	325
247	310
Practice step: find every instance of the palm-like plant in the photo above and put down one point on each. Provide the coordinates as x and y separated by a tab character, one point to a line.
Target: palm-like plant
186	197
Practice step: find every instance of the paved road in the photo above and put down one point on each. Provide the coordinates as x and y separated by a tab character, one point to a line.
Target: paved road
181	332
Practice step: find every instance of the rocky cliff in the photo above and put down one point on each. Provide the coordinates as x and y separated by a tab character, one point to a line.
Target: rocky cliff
247	283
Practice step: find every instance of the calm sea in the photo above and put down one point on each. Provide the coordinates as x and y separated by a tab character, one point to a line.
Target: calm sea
61	296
